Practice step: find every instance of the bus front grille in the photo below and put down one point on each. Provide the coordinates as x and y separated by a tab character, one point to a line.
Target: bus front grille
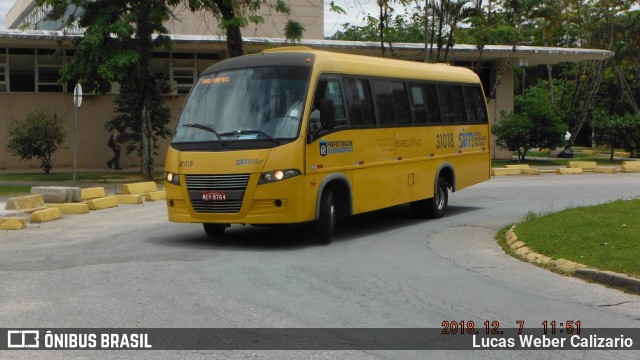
232	186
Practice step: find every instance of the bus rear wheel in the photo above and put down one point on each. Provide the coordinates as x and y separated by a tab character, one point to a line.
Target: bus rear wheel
214	229
436	206
326	221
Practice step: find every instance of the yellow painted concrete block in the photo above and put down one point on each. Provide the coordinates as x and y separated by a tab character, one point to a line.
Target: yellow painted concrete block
71	208
532	257
544	260
139	188
605	170
102	203
584	165
45	215
510	237
93	193
630	167
130	199
530	171
522	251
156	196
516	245
518	166
27	203
12	223
505	171
565	171
567	266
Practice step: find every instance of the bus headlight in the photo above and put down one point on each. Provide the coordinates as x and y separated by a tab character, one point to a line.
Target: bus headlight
277	175
172	178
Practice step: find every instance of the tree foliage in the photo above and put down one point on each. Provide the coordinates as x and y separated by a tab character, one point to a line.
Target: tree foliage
618	131
39	135
117	46
579	89
534	123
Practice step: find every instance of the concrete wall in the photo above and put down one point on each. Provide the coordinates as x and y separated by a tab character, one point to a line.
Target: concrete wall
310	13
92	138
503	101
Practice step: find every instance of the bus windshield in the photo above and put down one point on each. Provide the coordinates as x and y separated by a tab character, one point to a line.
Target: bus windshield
258	103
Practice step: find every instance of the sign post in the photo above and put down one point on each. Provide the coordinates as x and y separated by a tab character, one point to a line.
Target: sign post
77	100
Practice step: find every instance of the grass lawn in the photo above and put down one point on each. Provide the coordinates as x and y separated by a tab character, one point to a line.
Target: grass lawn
99	177
14	190
605	237
541	158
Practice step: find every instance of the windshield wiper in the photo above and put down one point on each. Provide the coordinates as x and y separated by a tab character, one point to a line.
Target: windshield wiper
206	128
259	132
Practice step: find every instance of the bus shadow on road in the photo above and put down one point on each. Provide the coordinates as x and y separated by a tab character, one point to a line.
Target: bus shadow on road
300	236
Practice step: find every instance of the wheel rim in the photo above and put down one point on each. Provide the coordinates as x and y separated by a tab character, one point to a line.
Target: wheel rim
440	198
332	216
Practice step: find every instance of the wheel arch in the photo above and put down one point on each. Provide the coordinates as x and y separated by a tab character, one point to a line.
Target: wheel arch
340	184
446	170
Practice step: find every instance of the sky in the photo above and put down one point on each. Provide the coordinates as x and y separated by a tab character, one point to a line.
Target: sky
332	21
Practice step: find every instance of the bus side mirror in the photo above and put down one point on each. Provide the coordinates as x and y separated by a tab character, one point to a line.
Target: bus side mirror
327	114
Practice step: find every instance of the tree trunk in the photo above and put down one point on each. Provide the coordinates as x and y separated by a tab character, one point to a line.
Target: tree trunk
626	89
588	104
234	35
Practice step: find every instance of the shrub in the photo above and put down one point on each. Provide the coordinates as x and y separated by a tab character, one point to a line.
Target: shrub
39	135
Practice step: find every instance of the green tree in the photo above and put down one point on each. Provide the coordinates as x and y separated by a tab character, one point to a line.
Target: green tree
233	15
124	58
38	135
617	131
535	123
512	133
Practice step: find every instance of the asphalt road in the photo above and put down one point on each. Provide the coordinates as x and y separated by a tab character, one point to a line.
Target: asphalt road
129	267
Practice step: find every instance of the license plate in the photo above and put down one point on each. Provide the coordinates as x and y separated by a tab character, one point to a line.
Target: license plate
214	196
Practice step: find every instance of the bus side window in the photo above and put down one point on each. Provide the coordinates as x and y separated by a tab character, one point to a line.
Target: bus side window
450	97
384	102
401	103
360	105
476	111
327	89
417	104
432	104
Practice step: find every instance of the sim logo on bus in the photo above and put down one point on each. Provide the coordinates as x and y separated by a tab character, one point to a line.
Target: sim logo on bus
323	147
466	139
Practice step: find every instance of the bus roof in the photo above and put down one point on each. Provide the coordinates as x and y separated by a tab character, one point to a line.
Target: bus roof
358	65
326	61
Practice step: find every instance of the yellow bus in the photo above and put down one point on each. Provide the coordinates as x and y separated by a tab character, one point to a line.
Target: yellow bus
296	135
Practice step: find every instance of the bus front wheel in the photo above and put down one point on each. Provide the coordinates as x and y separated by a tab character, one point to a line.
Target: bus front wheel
326	221
436	206
214	229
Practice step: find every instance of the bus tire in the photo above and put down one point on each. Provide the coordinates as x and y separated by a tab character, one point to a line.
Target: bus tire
214	230
436	206
326	221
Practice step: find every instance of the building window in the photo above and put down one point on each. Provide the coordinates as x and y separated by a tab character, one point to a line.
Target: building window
49	64
22	75
3	70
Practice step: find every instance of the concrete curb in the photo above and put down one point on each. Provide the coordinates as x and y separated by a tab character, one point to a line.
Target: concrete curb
155	196
45	215
569	267
573	167
102	203
139	188
136	199
12	223
71	208
27	203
